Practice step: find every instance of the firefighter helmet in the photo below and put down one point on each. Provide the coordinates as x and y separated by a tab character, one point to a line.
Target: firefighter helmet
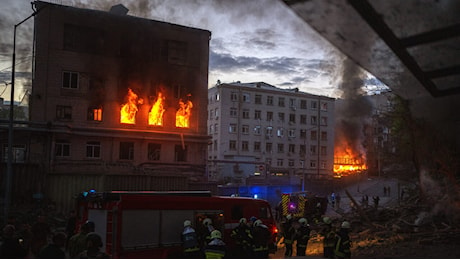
257	223
216	234
346	224
327	220
207	221
243	221
187	223
288	216
303	221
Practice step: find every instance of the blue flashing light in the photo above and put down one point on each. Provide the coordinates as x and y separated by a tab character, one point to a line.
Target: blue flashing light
85	193
255	196
92	191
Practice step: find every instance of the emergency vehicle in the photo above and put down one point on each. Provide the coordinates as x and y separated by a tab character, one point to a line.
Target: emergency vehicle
302	205
149	224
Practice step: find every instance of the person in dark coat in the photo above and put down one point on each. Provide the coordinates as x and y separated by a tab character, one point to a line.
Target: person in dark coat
243	240
343	245
288	232
11	247
302	236
261	236
55	249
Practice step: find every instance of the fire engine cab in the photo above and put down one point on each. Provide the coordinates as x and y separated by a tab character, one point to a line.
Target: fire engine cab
149	224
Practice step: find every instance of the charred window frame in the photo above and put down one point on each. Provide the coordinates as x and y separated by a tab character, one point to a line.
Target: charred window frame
63	113
180	153
175	52
126	151
84	39
154	151
70	79
62	148
93	149
95	114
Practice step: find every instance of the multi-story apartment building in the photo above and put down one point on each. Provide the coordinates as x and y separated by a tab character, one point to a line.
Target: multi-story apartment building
117	102
261	130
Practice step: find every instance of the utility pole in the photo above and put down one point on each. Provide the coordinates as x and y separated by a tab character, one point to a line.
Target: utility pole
9	173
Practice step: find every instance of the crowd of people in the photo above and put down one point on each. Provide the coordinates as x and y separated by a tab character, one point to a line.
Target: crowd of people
38	241
336	242
251	238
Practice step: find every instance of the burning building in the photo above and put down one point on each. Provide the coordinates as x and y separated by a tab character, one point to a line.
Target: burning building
118	94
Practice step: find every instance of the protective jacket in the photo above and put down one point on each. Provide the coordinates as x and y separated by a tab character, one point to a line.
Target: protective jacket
342	244
215	249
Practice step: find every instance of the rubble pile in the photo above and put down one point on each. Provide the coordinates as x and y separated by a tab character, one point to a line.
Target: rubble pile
408	230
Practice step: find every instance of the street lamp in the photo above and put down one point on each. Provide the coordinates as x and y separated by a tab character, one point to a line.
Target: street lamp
9	174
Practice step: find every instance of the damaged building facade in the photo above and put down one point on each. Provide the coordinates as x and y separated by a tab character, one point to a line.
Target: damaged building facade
119	95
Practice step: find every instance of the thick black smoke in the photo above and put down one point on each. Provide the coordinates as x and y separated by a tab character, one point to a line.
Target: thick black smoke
353	109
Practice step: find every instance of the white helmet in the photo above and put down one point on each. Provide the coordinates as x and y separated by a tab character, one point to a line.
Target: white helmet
327	220
216	234
207	221
288	216
187	223
346	224
303	221
243	220
257	223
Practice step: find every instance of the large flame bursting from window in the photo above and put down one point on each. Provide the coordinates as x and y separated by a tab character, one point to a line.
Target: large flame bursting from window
347	161
184	113
157	111
129	109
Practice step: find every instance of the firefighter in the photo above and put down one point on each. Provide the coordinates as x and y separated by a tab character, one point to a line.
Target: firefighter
261	237
243	239
302	237
190	241
329	238
343	244
205	232
216	247
288	232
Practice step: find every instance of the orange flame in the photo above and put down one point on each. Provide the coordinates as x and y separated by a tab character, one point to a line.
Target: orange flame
129	109
347	161
157	110
184	113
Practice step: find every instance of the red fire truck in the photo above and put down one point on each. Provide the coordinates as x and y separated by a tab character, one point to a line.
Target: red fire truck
149	224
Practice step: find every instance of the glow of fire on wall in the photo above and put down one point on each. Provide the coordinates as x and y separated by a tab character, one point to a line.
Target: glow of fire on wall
156	114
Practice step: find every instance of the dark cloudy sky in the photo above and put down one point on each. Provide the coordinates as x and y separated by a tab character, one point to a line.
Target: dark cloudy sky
257	40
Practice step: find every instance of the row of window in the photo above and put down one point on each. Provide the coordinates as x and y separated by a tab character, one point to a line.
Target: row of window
126	151
269	101
280	147
269	130
233	112
292	163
